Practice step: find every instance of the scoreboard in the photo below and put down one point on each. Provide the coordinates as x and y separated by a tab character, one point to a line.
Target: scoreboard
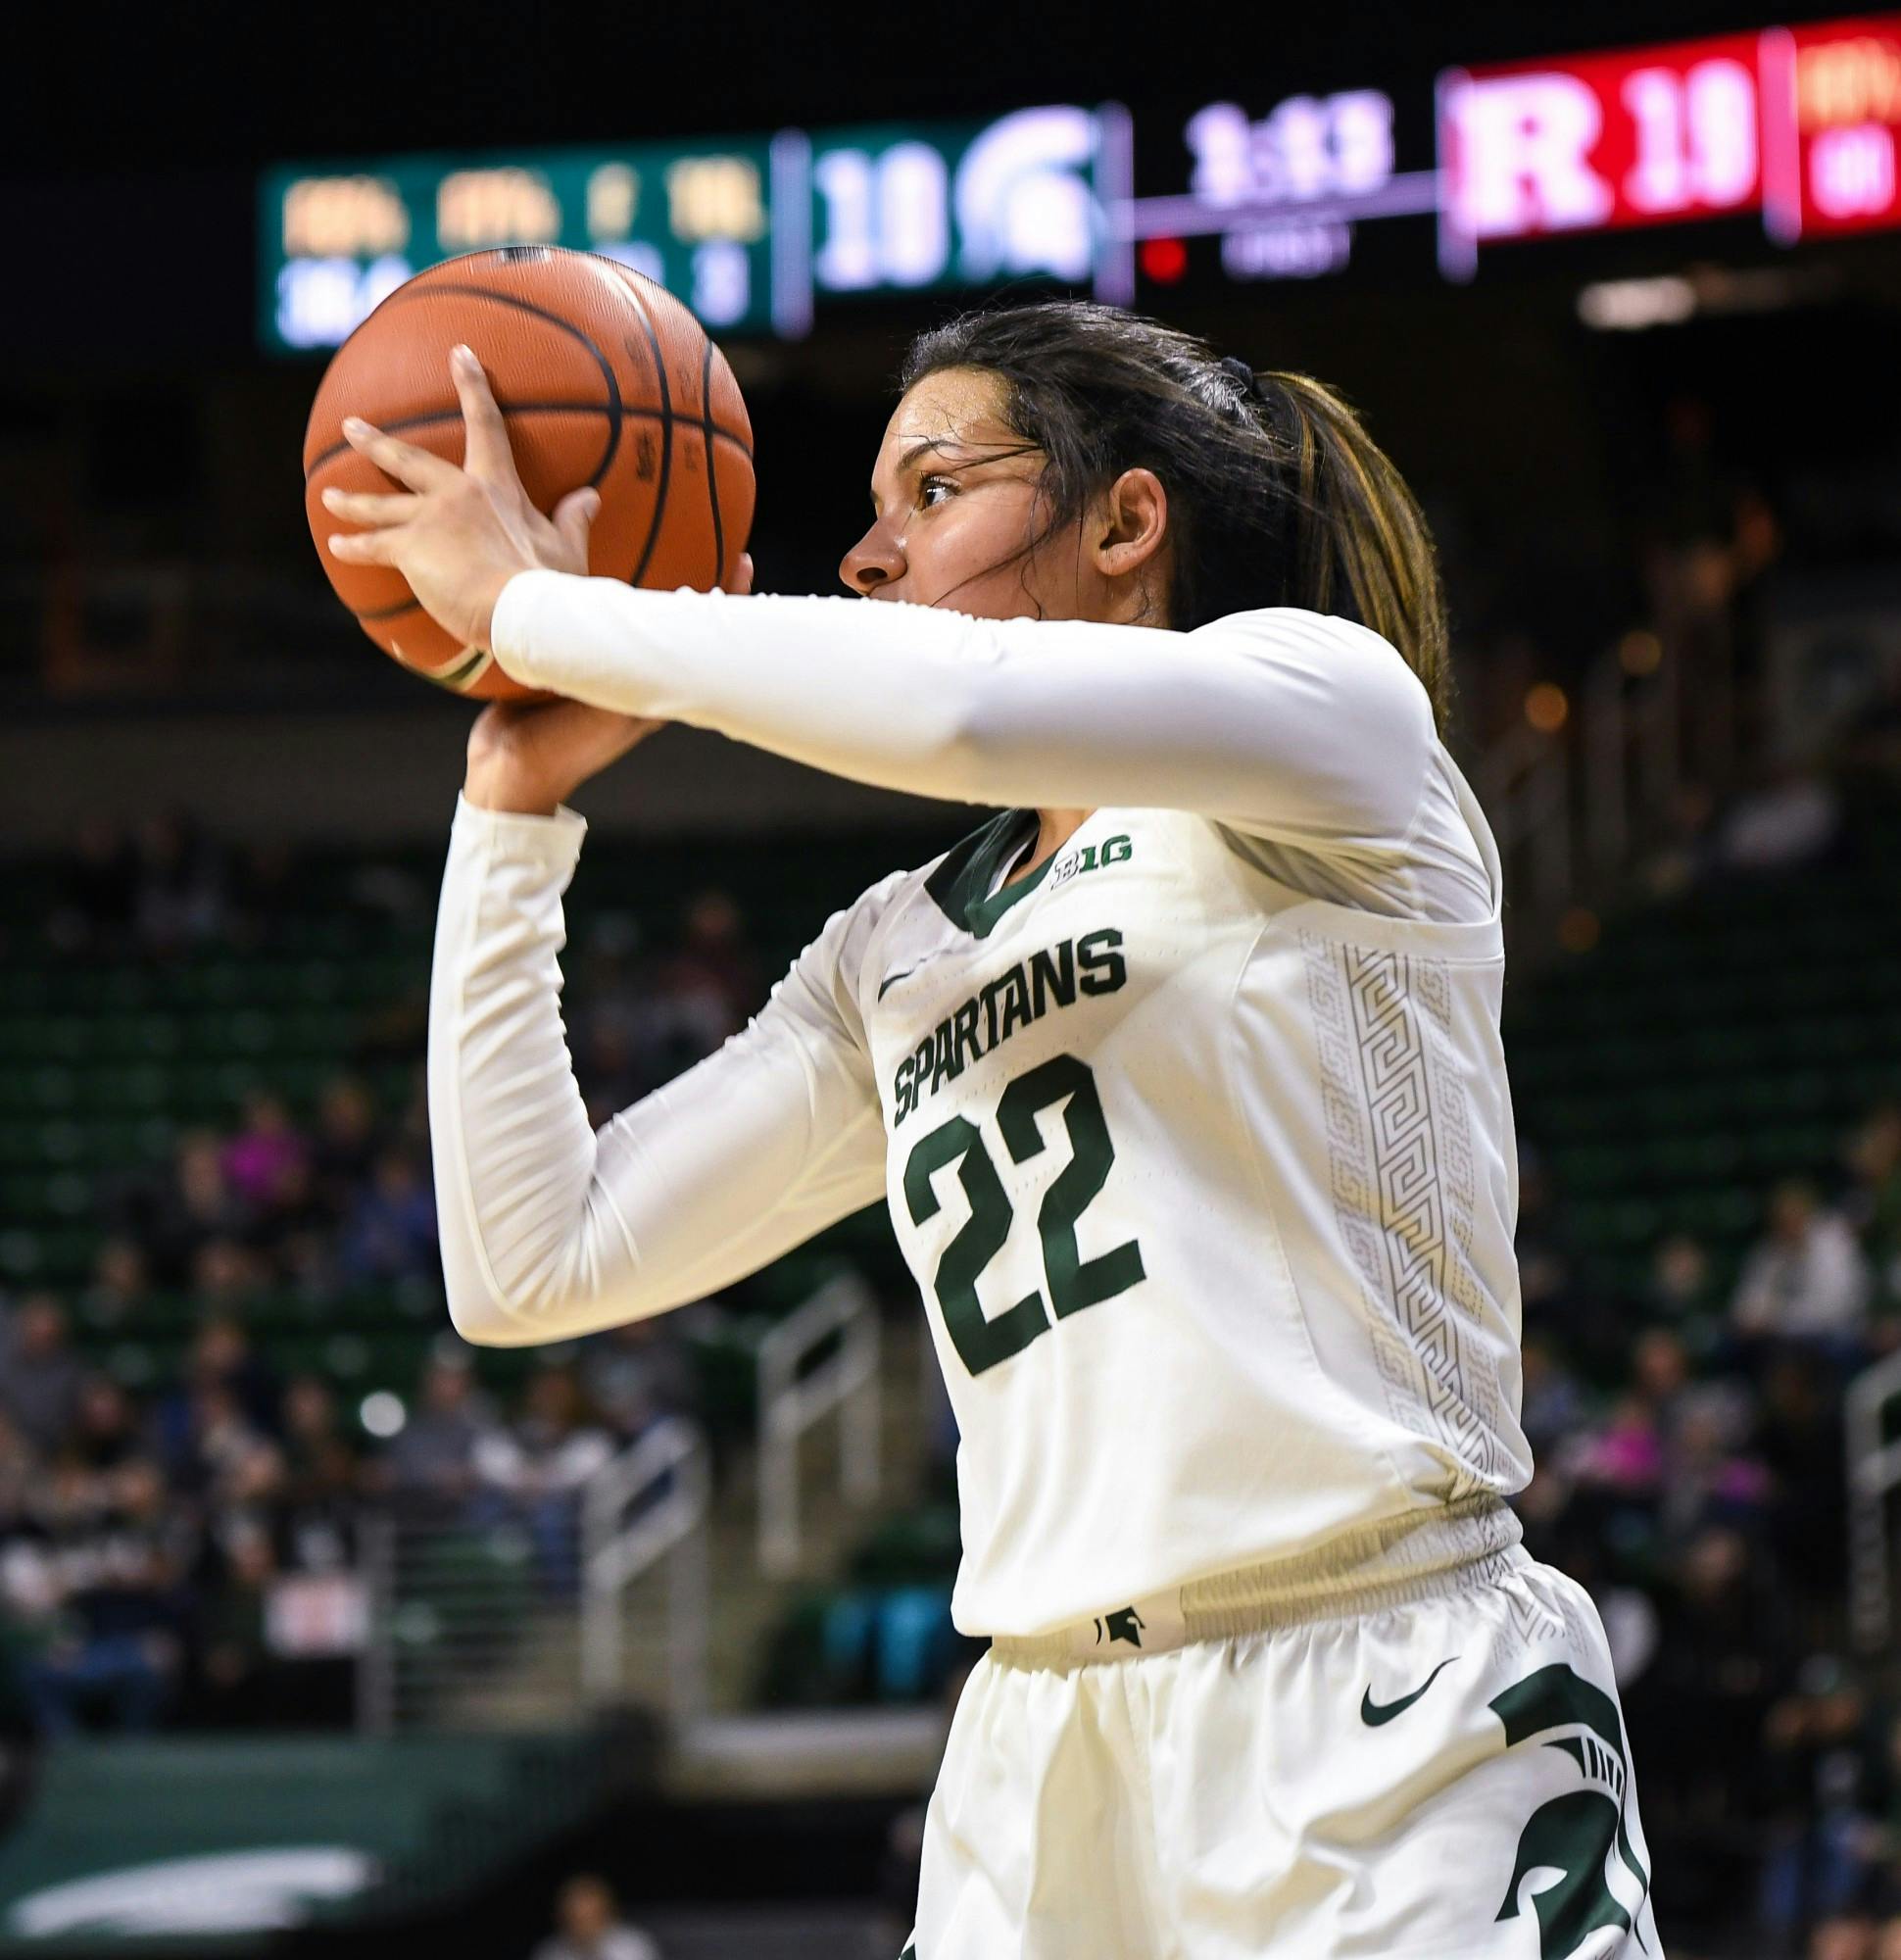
749	232
693	219
1798	124
1796	129
1837	92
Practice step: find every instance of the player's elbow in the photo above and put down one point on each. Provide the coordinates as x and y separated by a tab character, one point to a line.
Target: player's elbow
554	1297
501	1303
484	1321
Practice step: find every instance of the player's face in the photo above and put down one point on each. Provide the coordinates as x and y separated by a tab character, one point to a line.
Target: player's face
953	496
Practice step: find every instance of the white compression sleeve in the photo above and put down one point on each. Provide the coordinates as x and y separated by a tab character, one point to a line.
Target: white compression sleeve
550	1230
1282	724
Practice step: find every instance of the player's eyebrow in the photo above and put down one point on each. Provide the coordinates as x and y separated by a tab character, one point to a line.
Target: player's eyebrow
915	454
920	449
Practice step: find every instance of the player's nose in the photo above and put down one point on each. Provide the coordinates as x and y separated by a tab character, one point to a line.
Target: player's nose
873	563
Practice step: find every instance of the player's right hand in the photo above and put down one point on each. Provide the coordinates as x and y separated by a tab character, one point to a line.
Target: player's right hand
529	757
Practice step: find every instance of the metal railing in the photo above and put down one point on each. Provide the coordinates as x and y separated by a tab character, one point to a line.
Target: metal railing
456	1601
1874	1473
794	1394
651	1504
514	1609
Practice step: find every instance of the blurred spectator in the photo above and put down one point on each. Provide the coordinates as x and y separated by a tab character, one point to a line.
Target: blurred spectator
305	1256
638	1372
105	1433
589	1927
1792	818
537	1468
226	1276
217	1457
39	1375
264	1162
181	883
344	1144
1625	1454
233	1685
429	1468
1712	1479
1660	1378
1827	1767
1806	1278
215	1426
390	1233
1843	1937
108	1592
120	1288
1723	1656
221	1354
1683	1291
322	1478
191	1203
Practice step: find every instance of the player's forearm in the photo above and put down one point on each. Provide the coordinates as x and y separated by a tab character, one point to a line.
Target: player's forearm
526	1245
550	1230
1293	722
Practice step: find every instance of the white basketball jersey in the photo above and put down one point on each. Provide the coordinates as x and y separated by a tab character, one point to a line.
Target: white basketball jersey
1197	1139
1209	1189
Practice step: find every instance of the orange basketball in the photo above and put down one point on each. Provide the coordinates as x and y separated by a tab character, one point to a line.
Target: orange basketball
604	377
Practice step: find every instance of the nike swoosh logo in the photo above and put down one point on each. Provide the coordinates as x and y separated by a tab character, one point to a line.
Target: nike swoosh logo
1373	1714
891	980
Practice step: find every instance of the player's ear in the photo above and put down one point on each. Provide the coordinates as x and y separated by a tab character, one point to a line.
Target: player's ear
1129	524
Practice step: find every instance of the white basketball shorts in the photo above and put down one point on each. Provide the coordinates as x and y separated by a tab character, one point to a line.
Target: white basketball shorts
1436	1770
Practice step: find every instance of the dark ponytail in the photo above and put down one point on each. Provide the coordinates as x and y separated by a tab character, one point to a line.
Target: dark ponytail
1277	495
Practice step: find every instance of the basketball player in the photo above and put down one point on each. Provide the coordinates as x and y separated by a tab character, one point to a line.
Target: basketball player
1182	1077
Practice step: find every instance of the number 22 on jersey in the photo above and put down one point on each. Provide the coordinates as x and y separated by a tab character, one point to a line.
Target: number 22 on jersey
1073	1282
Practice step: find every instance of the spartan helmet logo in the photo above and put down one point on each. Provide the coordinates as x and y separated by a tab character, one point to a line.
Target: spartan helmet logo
1573	1834
1124	1624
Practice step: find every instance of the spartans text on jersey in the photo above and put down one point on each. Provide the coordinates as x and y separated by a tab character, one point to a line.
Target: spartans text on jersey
1049	978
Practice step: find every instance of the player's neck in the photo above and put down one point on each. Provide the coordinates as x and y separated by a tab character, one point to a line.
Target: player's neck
1054	829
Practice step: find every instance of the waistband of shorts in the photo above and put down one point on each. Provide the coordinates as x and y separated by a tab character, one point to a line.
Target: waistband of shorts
1421	1554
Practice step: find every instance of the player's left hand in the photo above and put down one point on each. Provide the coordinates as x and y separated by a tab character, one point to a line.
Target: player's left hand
458	535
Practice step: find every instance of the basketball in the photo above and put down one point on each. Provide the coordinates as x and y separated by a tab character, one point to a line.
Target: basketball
604	379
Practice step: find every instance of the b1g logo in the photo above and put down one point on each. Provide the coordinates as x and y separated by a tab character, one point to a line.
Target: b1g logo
1116	850
1573	1834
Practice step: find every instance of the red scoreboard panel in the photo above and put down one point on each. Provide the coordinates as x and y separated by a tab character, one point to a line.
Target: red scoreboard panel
1836	96
1799	124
